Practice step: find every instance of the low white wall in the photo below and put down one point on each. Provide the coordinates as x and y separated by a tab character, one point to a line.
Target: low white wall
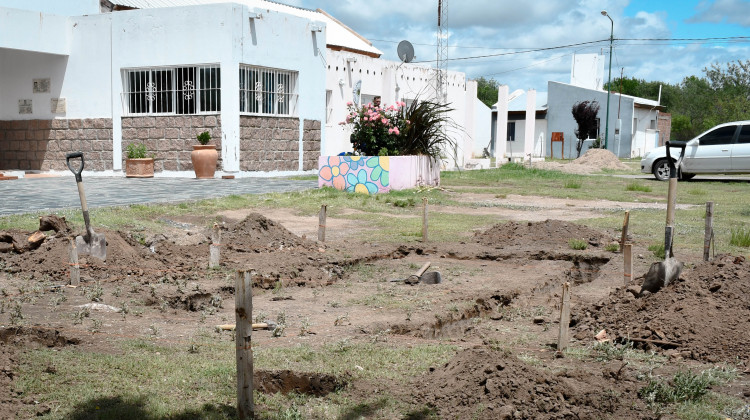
33	31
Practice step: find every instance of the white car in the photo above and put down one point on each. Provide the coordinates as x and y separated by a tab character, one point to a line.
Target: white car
724	149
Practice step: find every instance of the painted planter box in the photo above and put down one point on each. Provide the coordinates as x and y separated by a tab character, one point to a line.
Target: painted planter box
374	174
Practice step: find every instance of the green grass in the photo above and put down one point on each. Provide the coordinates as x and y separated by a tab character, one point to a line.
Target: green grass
578	244
635	186
658	250
573	184
740	237
144	380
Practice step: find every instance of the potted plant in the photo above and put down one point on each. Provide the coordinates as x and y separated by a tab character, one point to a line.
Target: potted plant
137	163
204	157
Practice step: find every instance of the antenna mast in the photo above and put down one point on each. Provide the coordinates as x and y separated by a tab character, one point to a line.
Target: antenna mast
441	72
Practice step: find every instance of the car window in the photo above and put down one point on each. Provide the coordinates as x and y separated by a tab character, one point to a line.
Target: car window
744	134
721	135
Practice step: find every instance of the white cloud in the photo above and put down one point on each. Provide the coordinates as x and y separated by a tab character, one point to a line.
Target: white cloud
721	11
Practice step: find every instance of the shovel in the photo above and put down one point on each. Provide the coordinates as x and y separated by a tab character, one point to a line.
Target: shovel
432	277
662	273
91	243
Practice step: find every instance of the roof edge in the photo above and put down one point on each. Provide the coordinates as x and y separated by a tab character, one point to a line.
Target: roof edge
323	12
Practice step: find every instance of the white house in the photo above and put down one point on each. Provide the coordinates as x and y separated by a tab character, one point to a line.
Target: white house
262	77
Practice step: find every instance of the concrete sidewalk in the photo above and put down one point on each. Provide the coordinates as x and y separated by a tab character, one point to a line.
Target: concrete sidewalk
29	195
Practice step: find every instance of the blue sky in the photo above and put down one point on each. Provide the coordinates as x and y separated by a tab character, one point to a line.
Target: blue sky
481	27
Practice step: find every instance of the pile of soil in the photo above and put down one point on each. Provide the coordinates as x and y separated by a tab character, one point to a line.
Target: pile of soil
482	383
706	313
600	159
554	233
259	234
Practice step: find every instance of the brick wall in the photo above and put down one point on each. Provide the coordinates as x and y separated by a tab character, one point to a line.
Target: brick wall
170	138
43	144
310	145
269	144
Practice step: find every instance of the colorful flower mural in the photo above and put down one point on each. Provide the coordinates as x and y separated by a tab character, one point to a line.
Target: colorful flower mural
334	172
360	174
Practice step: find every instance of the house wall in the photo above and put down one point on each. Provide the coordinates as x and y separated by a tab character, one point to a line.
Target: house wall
560	100
43	144
482	127
56	7
391	80
645	127
514	149
85	62
170	138
272	144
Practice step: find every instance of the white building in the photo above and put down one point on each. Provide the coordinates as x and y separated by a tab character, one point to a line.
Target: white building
262	77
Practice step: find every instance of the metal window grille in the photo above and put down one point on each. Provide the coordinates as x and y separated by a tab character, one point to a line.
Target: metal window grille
172	90
265	91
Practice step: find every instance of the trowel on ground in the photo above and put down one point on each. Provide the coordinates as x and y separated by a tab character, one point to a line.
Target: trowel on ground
431	277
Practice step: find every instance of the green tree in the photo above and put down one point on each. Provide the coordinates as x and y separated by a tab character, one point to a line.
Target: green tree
487	91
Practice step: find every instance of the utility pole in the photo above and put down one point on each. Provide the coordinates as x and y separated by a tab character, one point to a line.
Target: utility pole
441	71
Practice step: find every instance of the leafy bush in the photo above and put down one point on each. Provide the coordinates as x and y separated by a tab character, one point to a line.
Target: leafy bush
136	151
204	137
684	386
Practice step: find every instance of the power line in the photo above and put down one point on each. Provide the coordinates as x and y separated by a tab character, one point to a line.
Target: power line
520	52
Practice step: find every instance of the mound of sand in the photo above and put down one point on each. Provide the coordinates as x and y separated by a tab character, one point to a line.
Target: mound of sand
706	313
594	160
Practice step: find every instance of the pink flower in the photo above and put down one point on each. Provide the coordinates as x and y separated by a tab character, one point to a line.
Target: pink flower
349	103
384	121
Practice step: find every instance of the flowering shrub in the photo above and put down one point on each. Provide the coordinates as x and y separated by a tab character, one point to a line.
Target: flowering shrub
420	129
376	131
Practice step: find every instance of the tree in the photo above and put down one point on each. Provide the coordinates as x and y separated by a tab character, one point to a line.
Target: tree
585	115
487	91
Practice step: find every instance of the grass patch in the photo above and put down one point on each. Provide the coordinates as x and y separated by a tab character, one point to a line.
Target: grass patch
740	237
636	186
657	250
573	184
612	247
578	244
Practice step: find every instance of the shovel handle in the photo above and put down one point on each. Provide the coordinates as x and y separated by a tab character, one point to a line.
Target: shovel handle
76	171
423	269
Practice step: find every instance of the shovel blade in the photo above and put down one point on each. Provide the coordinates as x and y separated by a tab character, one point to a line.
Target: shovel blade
431	277
96	247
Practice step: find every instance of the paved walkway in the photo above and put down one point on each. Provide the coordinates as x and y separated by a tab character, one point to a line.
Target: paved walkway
28	195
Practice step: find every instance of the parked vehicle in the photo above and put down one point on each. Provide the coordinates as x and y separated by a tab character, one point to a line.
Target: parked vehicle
724	149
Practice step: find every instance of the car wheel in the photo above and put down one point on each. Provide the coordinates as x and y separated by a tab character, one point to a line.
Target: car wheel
661	170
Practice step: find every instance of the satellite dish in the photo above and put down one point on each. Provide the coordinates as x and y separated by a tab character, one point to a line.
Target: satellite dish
356	92
405	51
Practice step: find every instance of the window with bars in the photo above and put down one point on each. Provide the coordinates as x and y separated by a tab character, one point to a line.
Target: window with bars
266	91
172	90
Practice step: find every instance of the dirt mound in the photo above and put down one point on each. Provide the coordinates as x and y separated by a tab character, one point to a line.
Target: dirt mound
482	383
531	234
257	233
286	381
600	159
706	313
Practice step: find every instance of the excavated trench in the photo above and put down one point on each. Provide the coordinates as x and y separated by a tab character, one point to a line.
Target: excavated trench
286	381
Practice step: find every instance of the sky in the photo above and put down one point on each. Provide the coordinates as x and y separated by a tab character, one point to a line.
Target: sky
491	27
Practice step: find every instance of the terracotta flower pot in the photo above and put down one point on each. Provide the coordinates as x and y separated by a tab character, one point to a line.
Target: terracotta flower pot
139	168
204	159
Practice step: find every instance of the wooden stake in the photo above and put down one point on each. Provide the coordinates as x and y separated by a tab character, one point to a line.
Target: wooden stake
424	219
243	301
625	224
709	230
215	248
562	341
322	223
75	268
627	255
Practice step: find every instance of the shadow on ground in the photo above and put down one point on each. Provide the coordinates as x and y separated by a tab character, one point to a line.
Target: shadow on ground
134	409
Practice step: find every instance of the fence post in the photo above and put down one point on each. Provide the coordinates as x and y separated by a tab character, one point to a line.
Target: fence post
562	341
75	268
424	219
625	225
709	231
215	248
322	223
627	255
243	300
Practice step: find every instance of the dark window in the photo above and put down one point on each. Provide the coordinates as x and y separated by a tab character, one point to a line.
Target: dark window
718	136
594	133
744	134
511	131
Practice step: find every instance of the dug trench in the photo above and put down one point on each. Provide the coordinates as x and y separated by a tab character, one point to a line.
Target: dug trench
498	302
